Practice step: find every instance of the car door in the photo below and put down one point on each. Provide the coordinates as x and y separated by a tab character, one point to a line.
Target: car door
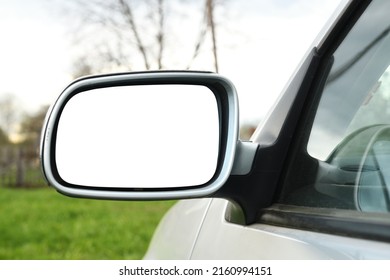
333	122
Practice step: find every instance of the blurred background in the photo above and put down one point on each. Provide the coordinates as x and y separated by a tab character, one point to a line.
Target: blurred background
46	44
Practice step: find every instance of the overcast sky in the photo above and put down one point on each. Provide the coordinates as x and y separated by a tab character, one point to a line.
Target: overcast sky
260	44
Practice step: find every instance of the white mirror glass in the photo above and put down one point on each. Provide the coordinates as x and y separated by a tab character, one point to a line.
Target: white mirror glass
149	136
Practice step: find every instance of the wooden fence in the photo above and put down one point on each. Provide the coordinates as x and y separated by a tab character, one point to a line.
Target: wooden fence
20	167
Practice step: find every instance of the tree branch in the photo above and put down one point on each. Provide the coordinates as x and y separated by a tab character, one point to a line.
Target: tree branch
127	12
160	34
211	24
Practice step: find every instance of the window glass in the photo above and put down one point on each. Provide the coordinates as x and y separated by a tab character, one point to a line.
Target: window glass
358	73
349	146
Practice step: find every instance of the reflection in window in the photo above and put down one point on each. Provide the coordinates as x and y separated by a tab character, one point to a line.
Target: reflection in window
376	107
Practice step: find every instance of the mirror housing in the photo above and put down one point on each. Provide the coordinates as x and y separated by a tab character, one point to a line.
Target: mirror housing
86	155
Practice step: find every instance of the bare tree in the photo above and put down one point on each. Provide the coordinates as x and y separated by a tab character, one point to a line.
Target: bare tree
129	17
114	34
118	33
31	126
160	34
210	5
208	25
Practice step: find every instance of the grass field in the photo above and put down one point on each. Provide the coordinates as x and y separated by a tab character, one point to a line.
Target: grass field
42	224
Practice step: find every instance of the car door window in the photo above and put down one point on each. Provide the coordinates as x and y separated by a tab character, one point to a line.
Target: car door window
344	163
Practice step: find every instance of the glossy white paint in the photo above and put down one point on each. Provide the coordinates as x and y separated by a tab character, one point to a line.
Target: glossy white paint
176	235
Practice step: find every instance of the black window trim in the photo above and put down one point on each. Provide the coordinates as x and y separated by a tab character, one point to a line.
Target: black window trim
350	223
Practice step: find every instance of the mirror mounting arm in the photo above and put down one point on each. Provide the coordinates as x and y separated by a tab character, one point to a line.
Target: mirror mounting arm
253	189
245	155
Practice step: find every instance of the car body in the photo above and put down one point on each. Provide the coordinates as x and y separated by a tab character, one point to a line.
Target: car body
312	182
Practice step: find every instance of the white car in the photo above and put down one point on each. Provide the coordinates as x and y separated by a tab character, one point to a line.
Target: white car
313	182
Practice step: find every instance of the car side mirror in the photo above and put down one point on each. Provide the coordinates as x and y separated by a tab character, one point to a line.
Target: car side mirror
148	135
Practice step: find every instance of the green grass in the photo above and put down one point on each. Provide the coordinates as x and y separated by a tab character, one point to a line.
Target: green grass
42	224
